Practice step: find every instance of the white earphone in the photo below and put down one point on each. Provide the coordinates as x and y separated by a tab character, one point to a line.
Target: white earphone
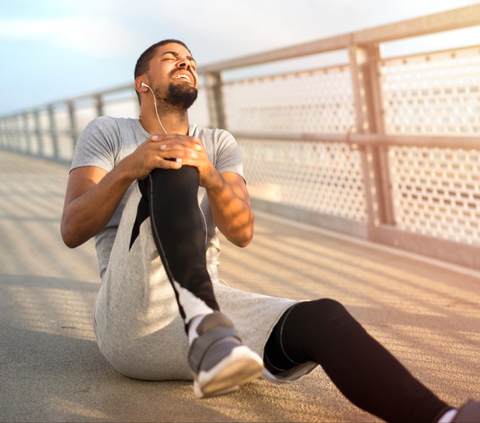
155	102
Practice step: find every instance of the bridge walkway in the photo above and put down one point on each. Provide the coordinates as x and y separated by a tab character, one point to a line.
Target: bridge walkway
425	312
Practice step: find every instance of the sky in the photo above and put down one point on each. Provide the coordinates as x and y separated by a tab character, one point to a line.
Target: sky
54	49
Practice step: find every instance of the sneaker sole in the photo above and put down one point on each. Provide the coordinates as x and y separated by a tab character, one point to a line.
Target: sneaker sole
241	366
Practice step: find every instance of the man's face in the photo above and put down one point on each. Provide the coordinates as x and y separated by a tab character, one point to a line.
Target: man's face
172	72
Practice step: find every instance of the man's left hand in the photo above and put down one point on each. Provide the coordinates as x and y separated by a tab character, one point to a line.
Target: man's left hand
197	156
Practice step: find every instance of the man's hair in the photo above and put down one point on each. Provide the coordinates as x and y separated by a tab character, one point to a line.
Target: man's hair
143	61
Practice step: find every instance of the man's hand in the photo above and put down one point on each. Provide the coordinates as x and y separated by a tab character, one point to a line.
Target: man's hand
159	150
227	193
167	151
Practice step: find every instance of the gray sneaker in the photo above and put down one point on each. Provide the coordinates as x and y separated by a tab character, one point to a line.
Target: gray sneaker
468	413
219	362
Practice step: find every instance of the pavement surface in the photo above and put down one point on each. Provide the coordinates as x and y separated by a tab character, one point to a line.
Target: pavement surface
426	313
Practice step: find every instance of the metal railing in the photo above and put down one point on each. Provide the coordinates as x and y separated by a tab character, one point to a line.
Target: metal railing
380	148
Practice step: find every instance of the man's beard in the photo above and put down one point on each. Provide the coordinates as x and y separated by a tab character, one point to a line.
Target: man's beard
178	95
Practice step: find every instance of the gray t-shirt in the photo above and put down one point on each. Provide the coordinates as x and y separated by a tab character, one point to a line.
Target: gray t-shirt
106	141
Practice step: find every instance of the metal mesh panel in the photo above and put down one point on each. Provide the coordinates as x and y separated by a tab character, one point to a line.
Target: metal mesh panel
438	93
62	119
310	101
127	108
33	137
4	133
84	115
47	141
437	192
64	141
318	176
19	134
22	138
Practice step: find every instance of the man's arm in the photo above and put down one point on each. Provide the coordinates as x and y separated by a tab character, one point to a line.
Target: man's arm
93	194
227	195
91	199
231	208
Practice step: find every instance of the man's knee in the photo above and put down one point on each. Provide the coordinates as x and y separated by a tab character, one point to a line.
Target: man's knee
183	178
322	309
324	315
167	182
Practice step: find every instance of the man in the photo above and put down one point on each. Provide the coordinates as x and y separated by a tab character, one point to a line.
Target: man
96	190
152	192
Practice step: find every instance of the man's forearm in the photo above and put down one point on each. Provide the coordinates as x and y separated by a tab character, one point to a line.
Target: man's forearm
232	215
88	214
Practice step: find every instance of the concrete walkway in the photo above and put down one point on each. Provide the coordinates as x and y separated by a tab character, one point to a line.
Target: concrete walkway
51	370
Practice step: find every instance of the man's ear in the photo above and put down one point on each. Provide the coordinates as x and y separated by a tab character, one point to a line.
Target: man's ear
140	85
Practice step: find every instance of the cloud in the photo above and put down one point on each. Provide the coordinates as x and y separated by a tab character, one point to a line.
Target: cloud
96	37
214	29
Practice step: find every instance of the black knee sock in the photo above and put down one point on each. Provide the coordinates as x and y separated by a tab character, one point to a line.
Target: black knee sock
178	229
365	372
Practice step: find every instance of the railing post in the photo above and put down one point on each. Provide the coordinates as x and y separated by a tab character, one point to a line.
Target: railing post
26	132
384	185
216	105
73	123
7	136
99	105
7	132
38	131
53	131
18	134
2	132
4	140
13	132
364	62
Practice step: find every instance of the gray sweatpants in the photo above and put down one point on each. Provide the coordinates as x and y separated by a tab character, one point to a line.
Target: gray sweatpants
136	320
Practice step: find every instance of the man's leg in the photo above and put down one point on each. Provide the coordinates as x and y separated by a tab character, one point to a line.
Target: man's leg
365	372
216	356
179	234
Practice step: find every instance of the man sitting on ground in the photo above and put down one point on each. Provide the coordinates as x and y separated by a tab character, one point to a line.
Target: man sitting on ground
153	191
